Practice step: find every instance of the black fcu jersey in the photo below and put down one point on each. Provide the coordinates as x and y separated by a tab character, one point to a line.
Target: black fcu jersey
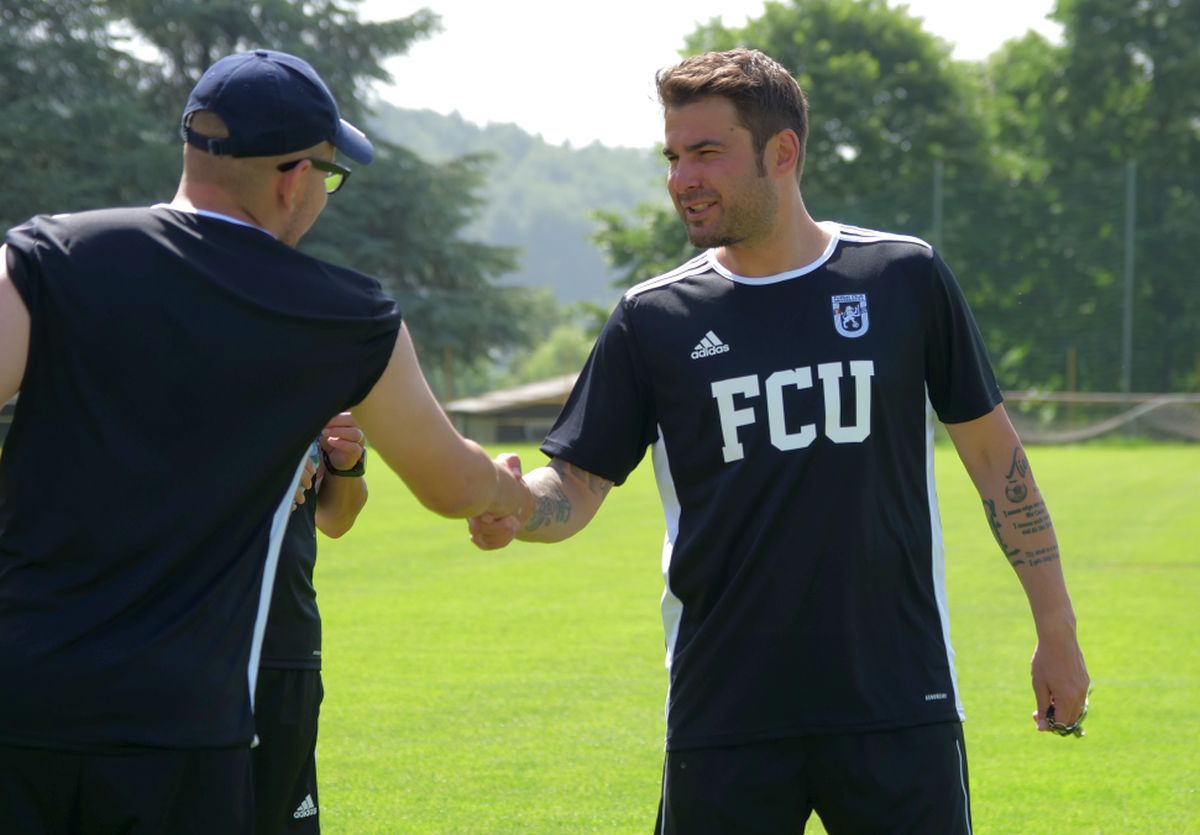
792	441
293	637
179	366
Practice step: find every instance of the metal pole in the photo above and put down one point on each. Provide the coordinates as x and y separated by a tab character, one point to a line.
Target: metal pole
1127	312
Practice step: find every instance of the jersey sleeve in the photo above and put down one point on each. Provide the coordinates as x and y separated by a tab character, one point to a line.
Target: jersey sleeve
21	263
379	342
959	376
608	420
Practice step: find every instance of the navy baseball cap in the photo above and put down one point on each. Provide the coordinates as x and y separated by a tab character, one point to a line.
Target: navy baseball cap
273	103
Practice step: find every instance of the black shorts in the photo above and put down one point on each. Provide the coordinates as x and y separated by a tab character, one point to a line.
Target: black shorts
142	792
912	780
287	704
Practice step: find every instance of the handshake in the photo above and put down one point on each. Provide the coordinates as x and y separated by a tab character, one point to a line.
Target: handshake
490	531
562	499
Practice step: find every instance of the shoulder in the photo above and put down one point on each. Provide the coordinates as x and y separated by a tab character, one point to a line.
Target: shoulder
697	266
50	226
861	235
870	252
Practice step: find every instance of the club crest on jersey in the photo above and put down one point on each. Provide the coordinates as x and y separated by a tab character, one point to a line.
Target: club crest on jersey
850	314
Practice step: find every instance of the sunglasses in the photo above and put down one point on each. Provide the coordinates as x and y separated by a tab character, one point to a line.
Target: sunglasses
335	175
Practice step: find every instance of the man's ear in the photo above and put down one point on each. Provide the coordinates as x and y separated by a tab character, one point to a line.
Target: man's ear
784	152
289	183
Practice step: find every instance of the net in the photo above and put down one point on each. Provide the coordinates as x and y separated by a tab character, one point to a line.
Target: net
1074	417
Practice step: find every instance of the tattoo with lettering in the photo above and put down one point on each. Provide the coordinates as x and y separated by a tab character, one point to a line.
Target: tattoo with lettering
1042	555
1029	519
994	523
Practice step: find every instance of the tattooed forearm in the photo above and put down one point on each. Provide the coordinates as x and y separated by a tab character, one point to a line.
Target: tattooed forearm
1025	516
1029	519
551	505
597	485
1042	555
565	498
994	523
1016	490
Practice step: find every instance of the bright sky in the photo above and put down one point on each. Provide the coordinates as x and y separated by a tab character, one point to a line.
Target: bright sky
584	72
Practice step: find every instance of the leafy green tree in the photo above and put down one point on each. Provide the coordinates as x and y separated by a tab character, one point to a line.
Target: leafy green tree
1014	167
886	102
563	351
650	242
1129	93
402	222
537	194
72	121
1068	119
563	336
92	124
887	105
348	52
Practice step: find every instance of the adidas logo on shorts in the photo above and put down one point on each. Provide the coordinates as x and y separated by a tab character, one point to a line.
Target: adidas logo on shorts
306	809
709	346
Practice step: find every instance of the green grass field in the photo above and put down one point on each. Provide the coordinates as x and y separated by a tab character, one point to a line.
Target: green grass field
522	691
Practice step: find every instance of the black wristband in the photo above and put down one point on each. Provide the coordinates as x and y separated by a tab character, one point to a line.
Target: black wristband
354	472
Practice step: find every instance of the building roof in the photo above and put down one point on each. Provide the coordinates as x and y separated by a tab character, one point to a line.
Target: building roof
544	392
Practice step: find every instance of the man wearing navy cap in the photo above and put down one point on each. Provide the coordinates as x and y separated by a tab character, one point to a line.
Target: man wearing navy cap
174	364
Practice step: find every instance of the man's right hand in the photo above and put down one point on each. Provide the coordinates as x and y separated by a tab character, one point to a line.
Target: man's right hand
489	531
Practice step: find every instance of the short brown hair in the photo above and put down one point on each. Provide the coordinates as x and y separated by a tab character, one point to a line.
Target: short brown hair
764	94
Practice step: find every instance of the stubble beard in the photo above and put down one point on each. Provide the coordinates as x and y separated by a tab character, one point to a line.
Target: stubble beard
745	215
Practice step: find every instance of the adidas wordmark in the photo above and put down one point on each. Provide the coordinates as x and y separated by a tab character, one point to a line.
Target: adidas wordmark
306	809
709	346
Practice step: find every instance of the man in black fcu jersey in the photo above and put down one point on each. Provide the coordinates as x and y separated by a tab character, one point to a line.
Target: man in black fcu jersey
174	364
785	381
290	690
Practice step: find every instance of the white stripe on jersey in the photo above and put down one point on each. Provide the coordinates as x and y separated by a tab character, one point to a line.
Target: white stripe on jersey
707	260
672	606
279	523
695	266
858	234
938	556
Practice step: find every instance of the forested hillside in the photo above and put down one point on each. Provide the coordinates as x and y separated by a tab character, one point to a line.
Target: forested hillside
538	197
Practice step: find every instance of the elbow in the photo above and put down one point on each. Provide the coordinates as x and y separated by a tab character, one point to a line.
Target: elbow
334	528
335	524
335	531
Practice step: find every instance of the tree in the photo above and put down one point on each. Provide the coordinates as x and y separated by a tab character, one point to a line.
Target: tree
1129	93
348	52
71	119
1117	90
887	104
1027	154
563	351
92	124
651	242
403	226
886	101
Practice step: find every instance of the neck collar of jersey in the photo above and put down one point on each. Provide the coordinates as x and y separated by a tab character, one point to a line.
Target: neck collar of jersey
832	228
192	210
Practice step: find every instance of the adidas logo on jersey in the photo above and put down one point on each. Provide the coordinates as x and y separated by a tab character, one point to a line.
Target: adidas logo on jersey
709	346
306	809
